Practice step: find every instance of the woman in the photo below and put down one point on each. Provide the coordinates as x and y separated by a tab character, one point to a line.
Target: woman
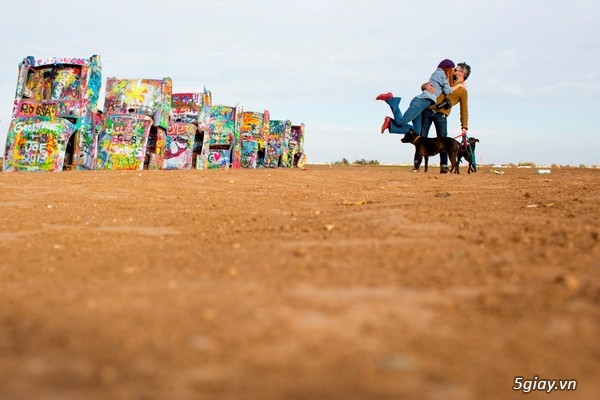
441	81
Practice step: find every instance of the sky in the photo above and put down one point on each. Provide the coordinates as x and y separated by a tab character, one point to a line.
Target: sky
533	89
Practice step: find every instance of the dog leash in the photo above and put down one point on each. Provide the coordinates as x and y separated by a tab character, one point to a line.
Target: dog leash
465	141
466	145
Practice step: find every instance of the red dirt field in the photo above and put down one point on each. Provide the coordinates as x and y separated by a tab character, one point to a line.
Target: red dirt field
340	282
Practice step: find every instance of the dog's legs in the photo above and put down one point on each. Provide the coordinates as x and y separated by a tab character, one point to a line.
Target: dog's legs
454	160
426	162
417	161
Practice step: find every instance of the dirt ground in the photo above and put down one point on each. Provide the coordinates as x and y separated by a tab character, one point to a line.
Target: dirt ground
340	282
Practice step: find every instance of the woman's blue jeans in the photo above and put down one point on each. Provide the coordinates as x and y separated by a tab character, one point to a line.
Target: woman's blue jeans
401	123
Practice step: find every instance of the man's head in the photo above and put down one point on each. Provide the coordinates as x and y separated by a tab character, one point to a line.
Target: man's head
462	72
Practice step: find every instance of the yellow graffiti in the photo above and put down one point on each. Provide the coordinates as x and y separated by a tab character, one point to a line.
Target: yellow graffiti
136	93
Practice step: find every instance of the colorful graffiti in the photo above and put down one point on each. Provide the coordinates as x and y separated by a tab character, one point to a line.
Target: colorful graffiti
62	109
51	83
223	124
49	91
224	137
190	115
137	113
186	107
295	145
277	140
176	148
151	97
56	124
252	125
219	158
38	144
255	128
122	142
249	153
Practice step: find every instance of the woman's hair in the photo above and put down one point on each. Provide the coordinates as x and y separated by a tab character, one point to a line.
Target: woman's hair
446	64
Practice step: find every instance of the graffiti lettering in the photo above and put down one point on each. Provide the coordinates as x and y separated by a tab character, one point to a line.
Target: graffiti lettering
34	159
124	138
33	152
24	127
61	60
34	146
44	110
179	129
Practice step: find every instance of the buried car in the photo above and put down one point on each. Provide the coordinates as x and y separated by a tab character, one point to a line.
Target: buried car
53	120
136	114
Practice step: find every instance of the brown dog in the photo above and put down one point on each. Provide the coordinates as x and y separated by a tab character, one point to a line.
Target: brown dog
464	152
426	147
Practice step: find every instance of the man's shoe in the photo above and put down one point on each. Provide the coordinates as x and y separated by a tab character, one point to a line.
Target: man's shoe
444	170
386	124
384	96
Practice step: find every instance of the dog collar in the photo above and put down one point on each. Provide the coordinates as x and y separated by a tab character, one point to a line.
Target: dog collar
417	138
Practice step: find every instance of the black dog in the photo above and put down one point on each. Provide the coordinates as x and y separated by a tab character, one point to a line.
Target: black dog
426	147
464	152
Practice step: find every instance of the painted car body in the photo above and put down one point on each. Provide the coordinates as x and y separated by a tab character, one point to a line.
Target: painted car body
224	149
53	119
279	134
295	147
185	143
136	116
254	134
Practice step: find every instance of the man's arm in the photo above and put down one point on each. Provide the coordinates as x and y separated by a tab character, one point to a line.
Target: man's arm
428	86
464	111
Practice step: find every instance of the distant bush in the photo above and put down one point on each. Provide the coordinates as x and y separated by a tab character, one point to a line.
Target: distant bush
365	162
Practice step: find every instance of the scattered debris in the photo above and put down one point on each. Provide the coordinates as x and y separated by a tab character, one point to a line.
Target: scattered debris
354	203
568	281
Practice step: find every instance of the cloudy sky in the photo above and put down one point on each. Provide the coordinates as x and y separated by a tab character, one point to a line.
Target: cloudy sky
533	91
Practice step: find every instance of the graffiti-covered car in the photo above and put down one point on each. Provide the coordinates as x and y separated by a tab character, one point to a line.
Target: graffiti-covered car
279	132
185	143
136	112
52	125
294	148
254	132
224	149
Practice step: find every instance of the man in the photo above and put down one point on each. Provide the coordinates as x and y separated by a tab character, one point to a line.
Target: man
439	83
439	116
